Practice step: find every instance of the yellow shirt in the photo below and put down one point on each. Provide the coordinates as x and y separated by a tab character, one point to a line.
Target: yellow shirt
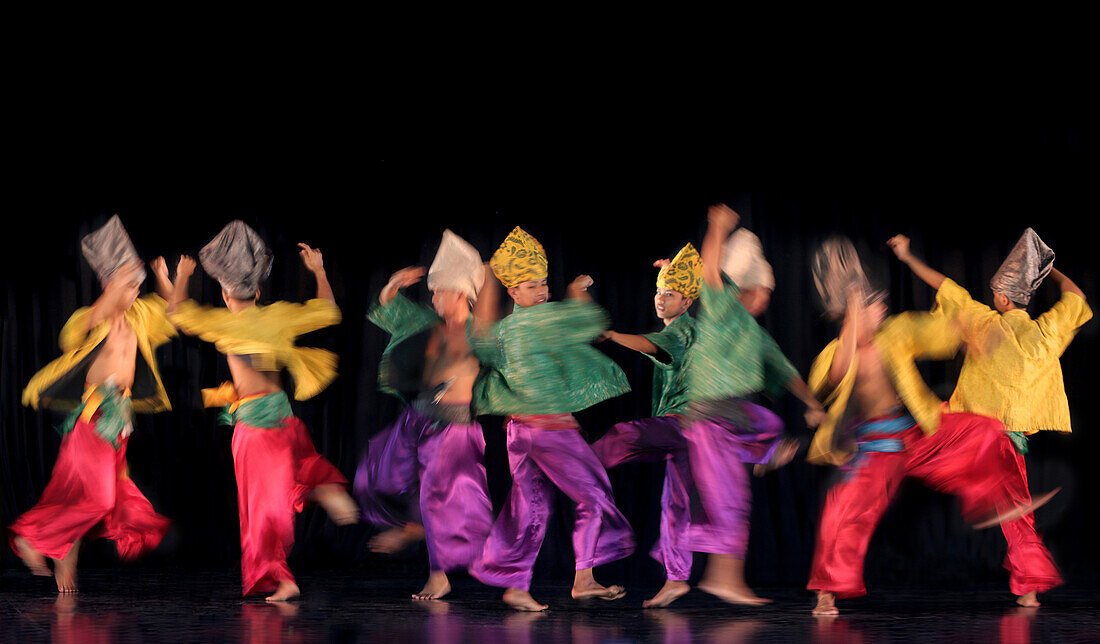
60	384
901	340
1011	371
266	335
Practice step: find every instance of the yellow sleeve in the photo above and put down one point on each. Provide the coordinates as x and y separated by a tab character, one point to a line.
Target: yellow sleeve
819	372
823	449
207	322
953	301
1061	322
925	335
153	312
75	330
300	319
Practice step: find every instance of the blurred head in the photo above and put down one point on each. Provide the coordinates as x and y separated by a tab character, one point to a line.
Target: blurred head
530	293
130	285
448	303
874	313
236	304
756	299
670	304
1003	304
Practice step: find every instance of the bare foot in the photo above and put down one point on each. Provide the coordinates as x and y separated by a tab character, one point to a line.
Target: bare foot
670	592
1028	600
522	600
286	591
826	604
31	557
396	539
1018	511
733	593
337	503
436	588
596	591
64	571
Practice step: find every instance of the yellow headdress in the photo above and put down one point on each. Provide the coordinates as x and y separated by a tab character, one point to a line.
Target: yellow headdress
684	274
519	259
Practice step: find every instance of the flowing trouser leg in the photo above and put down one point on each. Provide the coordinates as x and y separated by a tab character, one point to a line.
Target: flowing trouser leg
388	470
132	523
1030	566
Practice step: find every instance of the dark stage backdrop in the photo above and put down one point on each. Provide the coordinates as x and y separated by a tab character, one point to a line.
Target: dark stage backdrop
608	209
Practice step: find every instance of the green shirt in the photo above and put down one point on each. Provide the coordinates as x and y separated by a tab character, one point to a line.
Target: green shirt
403	320
669	388
538	360
732	355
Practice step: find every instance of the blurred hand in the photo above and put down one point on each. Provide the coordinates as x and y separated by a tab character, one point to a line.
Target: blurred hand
722	216
185	267
582	283
159	268
662	263
900	245
311	257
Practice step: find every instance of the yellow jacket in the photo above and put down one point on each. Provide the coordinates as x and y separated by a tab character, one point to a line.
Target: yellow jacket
1011	371
60	384
900	340
266	335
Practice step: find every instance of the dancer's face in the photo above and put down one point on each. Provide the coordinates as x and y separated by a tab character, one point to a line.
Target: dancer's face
873	316
530	293
448	304
670	304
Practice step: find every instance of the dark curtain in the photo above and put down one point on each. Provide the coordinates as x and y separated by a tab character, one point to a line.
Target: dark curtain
606	207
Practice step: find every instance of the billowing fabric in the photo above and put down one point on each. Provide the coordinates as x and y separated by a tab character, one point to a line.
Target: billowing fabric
732	356
968	456
684	273
900	340
717	451
276	471
90	494
400	372
538	360
238	259
265	335
652	440
836	269
743	261
457	267
1030	566
519	259
1024	269
111	409
109	249
539	458
60	384
669	384
1011	371
444	466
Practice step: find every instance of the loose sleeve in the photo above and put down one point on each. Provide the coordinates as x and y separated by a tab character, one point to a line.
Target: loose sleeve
400	315
311	315
1061	322
674	344
206	322
954	302
778	370
75	330
153	311
485	343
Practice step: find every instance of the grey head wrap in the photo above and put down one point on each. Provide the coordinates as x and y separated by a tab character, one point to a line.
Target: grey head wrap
109	249
238	259
836	268
1024	269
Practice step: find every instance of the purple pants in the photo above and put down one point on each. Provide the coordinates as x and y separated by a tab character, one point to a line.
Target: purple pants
651	440
539	457
447	465
717	451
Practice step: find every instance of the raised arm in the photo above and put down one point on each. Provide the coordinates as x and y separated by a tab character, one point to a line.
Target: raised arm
160	274
1066	284
399	280
313	261
722	220
578	288
846	347
636	342
487	307
121	287
900	245
184	269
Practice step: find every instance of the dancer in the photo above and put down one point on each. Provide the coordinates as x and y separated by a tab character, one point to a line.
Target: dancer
732	357
744	263
277	468
538	368
658	438
885	424
108	370
1012	373
435	445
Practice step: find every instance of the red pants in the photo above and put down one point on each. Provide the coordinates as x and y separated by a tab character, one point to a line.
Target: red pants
968	457
90	493
1029	564
276	470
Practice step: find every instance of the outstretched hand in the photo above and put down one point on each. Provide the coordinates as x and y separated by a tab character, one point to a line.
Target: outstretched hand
185	267
311	257
900	245
662	263
159	268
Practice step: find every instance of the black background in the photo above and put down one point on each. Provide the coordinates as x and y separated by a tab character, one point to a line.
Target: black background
606	191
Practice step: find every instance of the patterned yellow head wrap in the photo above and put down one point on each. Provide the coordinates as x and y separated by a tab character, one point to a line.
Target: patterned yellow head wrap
519	259
684	274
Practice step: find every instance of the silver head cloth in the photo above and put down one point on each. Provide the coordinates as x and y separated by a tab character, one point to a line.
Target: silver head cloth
238	259
109	249
1024	269
743	261
457	267
836	268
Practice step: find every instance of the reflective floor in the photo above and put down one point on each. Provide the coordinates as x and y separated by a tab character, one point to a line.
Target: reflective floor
144	605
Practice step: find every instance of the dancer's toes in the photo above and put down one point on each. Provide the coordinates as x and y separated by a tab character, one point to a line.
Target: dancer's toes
286	591
65	576
32	559
596	591
670	592
522	600
437	587
733	594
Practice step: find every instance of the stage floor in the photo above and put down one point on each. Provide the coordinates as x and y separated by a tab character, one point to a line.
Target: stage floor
158	605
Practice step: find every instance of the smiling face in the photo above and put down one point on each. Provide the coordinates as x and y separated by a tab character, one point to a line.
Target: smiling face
670	304
530	293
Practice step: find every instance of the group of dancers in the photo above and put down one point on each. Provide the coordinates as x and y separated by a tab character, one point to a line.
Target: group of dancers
424	476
